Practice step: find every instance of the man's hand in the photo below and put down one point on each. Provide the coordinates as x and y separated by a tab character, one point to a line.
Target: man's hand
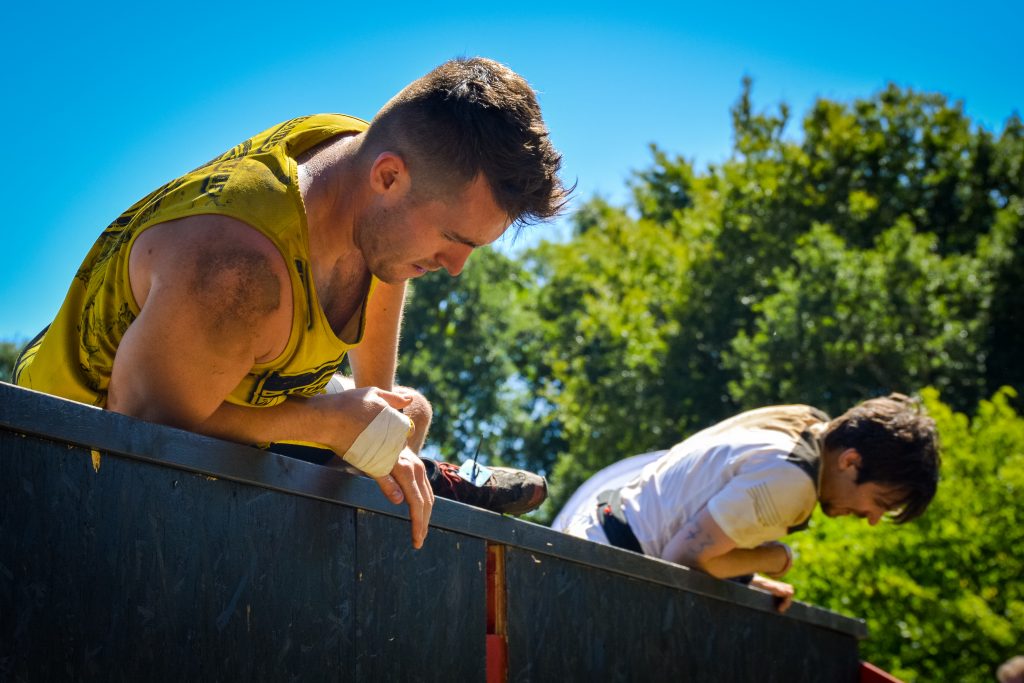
408	478
334	421
783	592
408	482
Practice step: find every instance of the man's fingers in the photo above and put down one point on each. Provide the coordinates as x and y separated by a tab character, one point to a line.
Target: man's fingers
412	478
783	593
395	400
392	491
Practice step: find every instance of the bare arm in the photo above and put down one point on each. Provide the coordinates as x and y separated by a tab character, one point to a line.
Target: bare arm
375	360
215	300
701	544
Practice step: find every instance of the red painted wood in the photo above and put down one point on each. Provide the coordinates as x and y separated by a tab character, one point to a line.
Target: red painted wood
869	673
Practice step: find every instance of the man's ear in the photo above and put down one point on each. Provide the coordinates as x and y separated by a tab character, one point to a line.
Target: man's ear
849	458
389	174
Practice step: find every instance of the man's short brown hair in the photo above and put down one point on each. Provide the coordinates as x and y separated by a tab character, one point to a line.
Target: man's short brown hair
473	116
898	446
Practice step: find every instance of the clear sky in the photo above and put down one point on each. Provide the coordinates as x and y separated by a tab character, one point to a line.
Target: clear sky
104	102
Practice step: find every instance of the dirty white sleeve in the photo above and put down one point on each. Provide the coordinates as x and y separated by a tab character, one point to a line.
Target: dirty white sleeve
760	506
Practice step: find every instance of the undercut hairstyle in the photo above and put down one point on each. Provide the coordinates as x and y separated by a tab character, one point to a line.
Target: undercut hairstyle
469	117
898	446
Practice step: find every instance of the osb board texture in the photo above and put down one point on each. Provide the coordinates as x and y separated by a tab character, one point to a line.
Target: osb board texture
137	572
570	622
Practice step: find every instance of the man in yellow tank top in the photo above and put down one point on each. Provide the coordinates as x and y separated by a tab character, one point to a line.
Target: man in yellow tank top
224	301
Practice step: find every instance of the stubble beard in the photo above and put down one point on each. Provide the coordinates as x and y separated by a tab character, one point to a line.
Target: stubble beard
376	243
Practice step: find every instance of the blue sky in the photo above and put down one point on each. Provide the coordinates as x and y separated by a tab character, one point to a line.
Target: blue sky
104	102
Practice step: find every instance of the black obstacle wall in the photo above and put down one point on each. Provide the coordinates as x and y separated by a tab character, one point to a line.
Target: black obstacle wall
135	552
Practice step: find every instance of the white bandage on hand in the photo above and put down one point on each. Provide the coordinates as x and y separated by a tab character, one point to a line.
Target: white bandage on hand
376	450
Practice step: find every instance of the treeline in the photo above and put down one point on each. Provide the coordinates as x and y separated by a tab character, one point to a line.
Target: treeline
879	250
9	351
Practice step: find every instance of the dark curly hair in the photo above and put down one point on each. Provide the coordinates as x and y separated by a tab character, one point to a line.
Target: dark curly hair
469	117
898	446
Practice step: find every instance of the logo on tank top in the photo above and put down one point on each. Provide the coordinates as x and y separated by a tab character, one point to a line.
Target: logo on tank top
273	387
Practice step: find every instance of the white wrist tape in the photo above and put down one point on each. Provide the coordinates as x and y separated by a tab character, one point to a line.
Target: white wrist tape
376	450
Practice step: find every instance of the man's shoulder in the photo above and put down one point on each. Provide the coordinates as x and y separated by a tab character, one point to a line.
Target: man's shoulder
304	132
216	269
790	420
790	410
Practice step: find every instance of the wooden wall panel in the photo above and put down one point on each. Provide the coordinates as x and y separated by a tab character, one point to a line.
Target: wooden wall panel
180	557
136	572
422	613
571	622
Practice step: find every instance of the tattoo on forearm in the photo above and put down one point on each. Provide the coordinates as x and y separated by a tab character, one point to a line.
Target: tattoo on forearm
699	538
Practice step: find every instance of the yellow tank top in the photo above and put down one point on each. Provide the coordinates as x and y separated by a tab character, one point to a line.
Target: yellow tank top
255	182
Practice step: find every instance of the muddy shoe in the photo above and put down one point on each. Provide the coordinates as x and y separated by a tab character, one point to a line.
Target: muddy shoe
508	491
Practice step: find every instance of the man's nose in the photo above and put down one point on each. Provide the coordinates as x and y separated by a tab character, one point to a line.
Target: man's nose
454	259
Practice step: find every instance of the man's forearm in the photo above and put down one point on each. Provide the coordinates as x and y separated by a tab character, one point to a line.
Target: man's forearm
702	544
768	559
330	421
375	360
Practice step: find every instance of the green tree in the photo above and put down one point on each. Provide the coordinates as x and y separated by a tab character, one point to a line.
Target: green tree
607	305
899	170
845	323
942	595
881	251
9	351
1007	329
459	348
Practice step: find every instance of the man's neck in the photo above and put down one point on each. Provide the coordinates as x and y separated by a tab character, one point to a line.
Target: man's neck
333	190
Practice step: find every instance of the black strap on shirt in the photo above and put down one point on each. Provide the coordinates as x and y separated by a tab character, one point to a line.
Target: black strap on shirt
614	523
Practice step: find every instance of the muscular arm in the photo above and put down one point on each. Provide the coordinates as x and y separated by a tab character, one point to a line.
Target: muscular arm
374	363
215	299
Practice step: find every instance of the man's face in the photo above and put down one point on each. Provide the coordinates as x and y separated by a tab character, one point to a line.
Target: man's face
841	494
405	238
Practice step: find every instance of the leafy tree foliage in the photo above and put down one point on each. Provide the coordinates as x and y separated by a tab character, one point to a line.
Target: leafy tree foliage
9	351
942	595
608	306
898	312
881	251
460	350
